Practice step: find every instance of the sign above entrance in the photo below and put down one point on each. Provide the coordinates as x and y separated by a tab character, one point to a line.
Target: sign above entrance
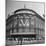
25	12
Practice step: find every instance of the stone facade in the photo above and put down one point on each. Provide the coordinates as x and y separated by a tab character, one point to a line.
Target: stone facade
25	23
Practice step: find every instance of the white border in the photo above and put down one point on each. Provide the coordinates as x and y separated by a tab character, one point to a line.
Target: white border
2	22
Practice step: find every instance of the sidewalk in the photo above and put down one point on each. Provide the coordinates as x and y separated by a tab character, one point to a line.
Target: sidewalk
24	42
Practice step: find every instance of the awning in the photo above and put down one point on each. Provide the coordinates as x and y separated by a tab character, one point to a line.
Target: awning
23	35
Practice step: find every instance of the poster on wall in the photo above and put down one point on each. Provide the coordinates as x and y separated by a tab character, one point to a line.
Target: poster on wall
25	23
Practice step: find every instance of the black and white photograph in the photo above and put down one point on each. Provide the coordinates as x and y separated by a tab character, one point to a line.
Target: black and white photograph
25	22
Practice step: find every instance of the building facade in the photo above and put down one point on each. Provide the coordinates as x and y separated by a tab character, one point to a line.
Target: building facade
25	25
